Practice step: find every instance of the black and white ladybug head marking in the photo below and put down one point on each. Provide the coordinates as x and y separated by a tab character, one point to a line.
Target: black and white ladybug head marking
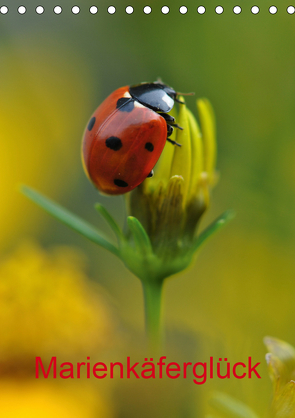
125	103
156	96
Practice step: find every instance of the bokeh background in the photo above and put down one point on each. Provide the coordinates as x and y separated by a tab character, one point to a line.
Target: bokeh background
61	295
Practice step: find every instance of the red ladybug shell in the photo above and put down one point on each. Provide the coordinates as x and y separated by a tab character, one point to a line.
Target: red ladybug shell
122	144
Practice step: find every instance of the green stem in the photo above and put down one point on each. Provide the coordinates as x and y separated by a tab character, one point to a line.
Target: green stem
152	298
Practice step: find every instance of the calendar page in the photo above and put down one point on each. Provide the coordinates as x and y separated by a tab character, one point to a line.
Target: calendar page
147	209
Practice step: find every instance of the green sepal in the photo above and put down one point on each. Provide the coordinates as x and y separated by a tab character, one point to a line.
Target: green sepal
141	239
216	225
111	221
69	219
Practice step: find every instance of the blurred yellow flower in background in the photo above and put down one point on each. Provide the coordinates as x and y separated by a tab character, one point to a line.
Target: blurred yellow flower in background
48	307
29	399
170	204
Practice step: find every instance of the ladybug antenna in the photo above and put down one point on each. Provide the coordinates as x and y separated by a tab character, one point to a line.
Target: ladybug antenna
182	94
159	80
185	94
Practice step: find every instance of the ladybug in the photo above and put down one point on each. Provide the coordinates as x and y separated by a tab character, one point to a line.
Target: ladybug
126	136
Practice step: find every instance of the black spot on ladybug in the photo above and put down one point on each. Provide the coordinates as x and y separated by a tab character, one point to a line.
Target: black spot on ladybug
125	104
91	123
120	183
149	146
114	143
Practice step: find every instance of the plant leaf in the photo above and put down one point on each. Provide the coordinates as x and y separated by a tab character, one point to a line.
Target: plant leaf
216	225
69	219
110	220
141	239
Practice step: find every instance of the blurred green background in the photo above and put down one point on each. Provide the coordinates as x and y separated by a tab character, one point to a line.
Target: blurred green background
54	71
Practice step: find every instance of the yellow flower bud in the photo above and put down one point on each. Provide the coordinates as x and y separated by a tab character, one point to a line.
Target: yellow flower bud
170	205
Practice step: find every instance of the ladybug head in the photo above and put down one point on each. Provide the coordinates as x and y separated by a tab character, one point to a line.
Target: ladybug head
169	90
172	93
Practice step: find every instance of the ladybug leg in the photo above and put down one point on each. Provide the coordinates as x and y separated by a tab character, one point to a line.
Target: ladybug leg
169	132
173	142
168	118
176	126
